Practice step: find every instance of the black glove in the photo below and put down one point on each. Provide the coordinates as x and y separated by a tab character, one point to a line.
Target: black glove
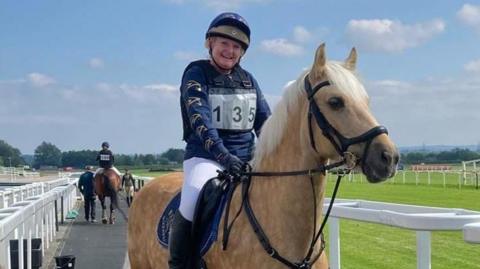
234	165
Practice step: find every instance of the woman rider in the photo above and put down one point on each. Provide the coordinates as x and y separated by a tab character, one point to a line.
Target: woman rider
221	105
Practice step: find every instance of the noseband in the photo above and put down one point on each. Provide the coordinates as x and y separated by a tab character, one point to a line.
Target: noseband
341	143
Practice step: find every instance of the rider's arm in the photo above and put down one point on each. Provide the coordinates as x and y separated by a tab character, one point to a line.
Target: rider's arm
263	110
195	97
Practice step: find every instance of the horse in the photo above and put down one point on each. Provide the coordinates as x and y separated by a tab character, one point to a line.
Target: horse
107	184
296	137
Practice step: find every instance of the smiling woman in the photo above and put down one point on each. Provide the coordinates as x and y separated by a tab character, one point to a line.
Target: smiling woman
221	104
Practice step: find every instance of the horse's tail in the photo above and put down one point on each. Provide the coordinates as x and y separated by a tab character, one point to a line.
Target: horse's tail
110	189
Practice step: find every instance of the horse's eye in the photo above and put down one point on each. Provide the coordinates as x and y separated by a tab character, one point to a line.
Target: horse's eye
336	103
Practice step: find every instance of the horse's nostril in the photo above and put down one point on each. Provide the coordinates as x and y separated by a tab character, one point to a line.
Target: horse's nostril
386	157
396	159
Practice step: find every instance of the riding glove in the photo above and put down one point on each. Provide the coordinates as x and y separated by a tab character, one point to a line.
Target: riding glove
234	165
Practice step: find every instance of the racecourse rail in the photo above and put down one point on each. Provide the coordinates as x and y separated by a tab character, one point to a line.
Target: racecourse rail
421	219
32	211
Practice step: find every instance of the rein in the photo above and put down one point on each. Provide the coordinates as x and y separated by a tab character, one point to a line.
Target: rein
245	179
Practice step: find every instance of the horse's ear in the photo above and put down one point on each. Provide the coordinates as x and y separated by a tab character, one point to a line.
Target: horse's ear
318	68
351	61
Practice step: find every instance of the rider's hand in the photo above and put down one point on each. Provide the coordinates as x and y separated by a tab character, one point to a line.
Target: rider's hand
234	165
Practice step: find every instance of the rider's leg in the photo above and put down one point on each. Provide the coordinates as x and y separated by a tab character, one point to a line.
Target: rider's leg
197	171
98	171
179	242
116	171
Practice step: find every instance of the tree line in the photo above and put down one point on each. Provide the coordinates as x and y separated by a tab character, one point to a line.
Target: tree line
453	156
47	154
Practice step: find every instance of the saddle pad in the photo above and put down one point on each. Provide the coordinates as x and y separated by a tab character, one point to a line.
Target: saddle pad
207	238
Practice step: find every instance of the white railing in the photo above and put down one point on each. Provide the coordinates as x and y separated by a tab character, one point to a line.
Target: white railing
141	181
33	216
423	220
19	193
429	177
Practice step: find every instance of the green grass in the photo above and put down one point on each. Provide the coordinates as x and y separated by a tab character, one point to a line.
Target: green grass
366	245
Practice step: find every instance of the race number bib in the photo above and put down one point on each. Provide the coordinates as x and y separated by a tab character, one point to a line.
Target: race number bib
104	157
233	111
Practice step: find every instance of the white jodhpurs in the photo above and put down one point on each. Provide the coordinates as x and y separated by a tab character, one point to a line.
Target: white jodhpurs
196	172
100	170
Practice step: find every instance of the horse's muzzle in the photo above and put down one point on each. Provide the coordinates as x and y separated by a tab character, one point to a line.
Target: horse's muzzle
381	160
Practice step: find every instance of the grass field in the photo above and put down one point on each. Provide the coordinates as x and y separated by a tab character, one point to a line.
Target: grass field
373	246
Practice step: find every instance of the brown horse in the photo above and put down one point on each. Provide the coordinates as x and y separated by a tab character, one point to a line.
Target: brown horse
290	141
107	184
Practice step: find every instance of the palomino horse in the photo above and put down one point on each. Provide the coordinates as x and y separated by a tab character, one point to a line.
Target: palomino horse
292	139
107	184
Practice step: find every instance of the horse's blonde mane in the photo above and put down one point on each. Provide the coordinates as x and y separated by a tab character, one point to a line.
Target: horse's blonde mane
275	127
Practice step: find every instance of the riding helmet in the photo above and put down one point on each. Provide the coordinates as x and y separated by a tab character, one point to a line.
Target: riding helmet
232	26
105	144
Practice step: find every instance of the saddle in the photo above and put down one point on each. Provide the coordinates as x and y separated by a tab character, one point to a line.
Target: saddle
208	213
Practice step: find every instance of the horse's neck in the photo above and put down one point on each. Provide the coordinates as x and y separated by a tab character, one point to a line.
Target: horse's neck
284	205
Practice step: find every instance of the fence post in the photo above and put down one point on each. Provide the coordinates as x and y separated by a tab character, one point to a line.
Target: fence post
61	209
56	215
334	241
476	180
423	250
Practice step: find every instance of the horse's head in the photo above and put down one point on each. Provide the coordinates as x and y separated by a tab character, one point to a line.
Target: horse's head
341	120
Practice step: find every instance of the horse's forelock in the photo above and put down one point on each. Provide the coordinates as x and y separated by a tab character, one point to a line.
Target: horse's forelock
345	81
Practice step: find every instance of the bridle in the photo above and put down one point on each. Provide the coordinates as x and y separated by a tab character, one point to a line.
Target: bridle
341	144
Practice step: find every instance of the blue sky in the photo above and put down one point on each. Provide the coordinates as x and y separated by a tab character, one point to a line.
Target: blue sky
76	73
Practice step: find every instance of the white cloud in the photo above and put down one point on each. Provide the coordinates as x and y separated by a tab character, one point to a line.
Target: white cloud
435	109
391	36
473	66
301	34
165	88
281	46
96	63
152	93
470	15
126	113
40	80
186	55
